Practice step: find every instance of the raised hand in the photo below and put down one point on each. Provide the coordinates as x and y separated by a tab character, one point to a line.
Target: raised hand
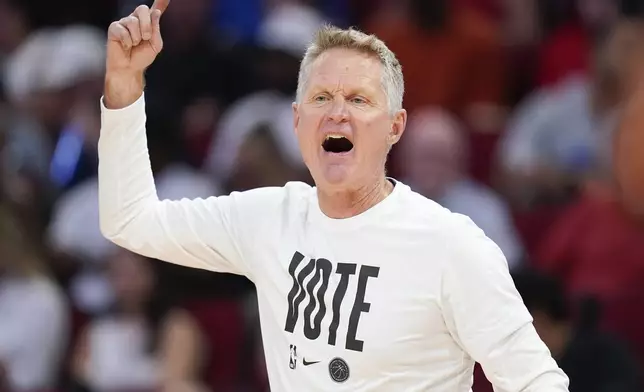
134	41
132	45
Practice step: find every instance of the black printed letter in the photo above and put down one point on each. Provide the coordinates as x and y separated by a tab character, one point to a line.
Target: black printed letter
344	270
298	283
359	306
323	267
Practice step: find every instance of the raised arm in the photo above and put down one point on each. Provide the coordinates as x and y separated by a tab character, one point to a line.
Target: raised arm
194	233
487	317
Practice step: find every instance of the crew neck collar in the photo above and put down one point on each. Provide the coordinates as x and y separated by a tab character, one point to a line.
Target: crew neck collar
370	215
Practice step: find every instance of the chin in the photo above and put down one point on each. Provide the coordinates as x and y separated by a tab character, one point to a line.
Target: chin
336	178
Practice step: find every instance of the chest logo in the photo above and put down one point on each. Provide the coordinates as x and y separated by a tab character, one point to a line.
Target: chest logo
338	370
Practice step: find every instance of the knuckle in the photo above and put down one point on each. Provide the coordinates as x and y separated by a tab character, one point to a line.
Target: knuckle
143	13
130	21
142	9
116	30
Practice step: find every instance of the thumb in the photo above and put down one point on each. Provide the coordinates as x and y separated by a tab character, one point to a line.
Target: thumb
156	42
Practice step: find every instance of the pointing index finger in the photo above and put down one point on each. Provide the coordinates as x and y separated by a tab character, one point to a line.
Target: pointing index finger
160	5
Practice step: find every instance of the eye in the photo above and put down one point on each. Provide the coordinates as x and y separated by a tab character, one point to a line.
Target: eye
320	98
358	100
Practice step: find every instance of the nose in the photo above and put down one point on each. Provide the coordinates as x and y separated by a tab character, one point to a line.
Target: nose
338	111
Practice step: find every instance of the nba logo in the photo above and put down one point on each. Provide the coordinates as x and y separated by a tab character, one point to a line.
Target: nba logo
293	361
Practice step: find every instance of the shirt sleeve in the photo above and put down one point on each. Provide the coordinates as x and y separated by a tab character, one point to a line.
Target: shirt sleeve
199	233
486	316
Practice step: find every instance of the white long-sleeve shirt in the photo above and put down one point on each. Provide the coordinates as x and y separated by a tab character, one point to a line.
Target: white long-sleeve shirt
403	297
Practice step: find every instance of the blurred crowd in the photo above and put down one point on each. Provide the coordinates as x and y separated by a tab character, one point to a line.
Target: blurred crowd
512	105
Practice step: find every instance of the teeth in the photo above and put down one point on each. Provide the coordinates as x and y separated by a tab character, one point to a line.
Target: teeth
334	136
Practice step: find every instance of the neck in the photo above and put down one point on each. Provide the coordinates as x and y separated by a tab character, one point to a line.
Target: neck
345	204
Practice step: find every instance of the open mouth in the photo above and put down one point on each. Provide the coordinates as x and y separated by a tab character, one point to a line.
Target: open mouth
337	144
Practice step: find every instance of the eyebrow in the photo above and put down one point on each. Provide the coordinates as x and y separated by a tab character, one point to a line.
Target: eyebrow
317	88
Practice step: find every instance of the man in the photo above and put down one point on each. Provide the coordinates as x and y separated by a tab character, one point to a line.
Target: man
556	138
435	155
378	288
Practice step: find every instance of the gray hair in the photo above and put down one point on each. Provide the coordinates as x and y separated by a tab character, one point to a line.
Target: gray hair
330	37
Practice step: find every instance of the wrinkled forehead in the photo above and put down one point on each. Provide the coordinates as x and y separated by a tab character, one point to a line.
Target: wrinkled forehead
342	69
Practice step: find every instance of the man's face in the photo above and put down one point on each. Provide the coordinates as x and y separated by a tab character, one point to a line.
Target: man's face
432	155
343	123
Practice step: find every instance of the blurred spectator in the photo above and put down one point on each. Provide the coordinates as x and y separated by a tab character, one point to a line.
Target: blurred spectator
14	28
34	326
594	362
567	51
74	229
284	36
549	144
437	43
255	143
256	138
143	343
520	22
51	79
434	154
595	248
50	71
453	57
198	64
23	161
521	35
289	26
554	138
261	162
198	128
282	39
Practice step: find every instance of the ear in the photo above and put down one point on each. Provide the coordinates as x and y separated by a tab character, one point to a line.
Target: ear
296	117
398	126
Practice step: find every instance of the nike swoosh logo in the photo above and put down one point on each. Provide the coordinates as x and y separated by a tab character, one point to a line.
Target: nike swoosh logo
307	363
